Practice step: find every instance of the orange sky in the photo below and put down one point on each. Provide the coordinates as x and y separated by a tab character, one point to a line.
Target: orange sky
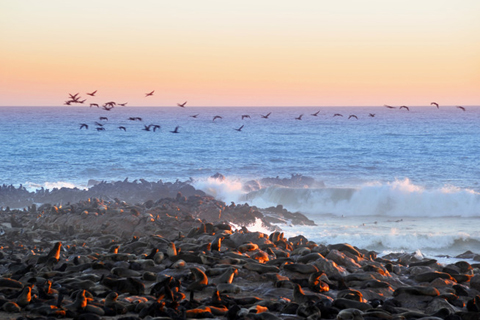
248	53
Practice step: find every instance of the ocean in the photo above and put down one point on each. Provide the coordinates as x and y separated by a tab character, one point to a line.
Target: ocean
398	181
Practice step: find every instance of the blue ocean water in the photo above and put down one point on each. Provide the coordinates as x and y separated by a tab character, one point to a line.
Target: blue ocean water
400	180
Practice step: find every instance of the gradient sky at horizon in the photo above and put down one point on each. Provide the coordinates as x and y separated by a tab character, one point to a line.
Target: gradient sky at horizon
248	53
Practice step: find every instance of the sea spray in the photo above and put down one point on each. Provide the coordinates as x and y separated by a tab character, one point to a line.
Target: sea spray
221	188
32	187
384	234
396	199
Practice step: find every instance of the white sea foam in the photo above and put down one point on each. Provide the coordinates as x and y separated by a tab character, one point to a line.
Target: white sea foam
396	199
257	226
382	236
32	187
226	189
398	216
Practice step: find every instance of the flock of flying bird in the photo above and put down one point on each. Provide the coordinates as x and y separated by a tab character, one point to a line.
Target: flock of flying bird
108	106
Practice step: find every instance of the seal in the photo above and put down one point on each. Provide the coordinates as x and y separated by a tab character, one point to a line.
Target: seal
25	297
201	280
54	253
316	284
309	310
260	268
228	288
227	276
300	297
350	314
300	268
11	307
342	303
171	250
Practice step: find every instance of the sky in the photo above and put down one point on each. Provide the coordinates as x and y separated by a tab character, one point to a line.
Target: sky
240	53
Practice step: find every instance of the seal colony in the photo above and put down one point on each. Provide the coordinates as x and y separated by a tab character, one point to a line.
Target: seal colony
183	257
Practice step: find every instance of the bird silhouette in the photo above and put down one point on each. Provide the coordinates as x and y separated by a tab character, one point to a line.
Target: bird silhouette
92	93
435	104
182	105
338	115
123	104
100	129
245	116
371	115
103	118
299	117
266	116
217	117
149	94
316	113
155	127
461	108
94	105
83	125
122	128
175	130
352	116
405	107
98	124
195	115
389	107
74	97
239	129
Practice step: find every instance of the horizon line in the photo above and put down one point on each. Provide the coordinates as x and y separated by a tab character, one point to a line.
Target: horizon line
235	106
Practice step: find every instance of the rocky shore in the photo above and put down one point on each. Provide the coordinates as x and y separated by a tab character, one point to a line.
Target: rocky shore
191	256
136	191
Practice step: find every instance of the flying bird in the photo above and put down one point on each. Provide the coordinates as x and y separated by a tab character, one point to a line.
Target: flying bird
435	104
266	116
100	129
338	115
175	130
103	118
122	128
299	117
460	107
217	117
94	105
98	124
389	107
155	127
239	129
182	105
371	115
149	94
123	104
352	116
245	116
316	113
92	93
83	125
405	107
195	115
